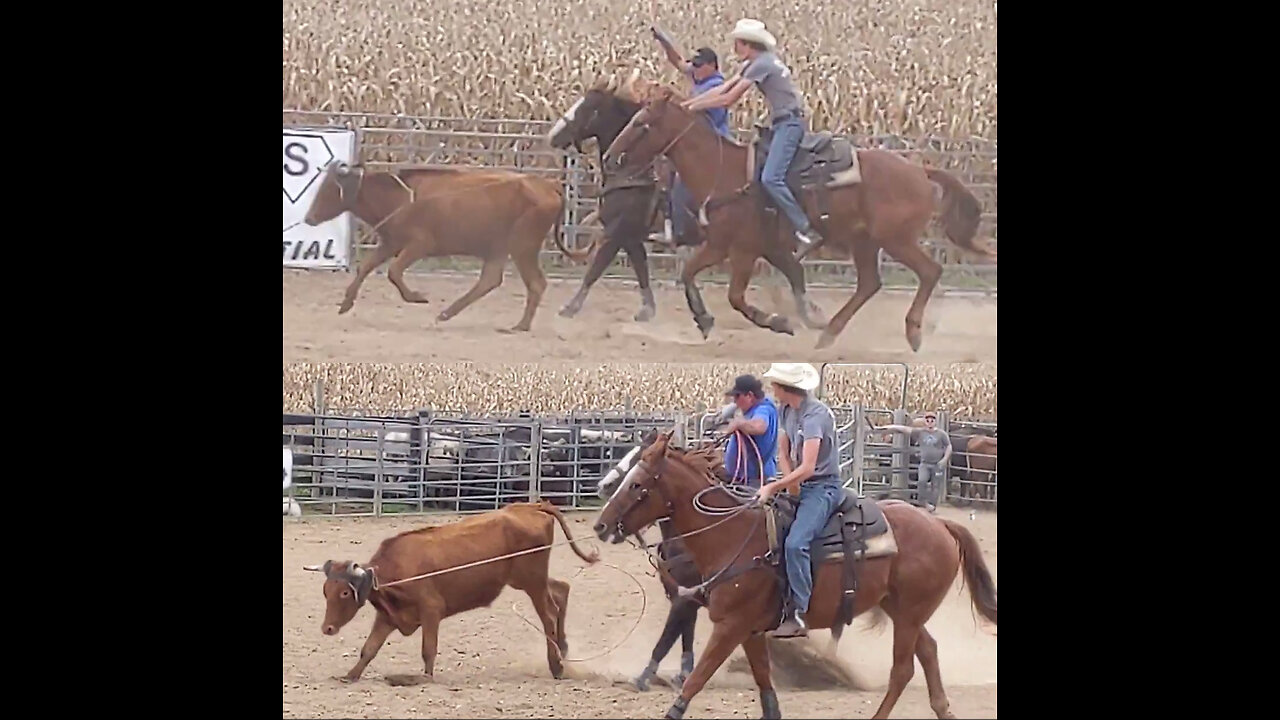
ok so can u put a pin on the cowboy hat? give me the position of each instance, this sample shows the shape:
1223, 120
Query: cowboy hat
796, 375
753, 31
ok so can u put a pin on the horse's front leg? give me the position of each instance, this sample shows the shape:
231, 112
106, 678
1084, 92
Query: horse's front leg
725, 636
709, 254
741, 263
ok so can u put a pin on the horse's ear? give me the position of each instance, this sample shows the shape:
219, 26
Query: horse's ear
612, 85
677, 435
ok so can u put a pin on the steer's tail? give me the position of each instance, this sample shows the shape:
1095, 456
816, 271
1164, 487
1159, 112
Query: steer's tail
982, 588
554, 511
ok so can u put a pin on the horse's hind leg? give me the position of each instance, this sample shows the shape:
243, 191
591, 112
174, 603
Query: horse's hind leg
927, 652
381, 254
741, 263
864, 259
758, 657
905, 634
790, 267
928, 270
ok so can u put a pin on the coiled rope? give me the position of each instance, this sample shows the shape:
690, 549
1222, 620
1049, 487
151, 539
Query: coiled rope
644, 606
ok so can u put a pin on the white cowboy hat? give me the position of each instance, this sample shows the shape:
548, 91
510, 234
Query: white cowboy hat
797, 375
753, 31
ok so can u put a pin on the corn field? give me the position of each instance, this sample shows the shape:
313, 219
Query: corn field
966, 390
904, 67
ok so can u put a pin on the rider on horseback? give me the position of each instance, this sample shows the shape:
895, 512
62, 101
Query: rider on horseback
703, 70
811, 464
754, 44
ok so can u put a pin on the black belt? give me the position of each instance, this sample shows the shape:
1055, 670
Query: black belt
783, 118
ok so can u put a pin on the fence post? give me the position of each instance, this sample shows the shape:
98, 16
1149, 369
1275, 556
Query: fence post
901, 470
944, 424
859, 446
377, 478
317, 397
535, 462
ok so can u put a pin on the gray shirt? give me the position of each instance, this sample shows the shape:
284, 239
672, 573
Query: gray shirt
812, 420
774, 80
933, 443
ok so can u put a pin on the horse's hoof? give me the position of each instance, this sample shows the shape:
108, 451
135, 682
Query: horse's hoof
344, 308
442, 317
569, 311
705, 327
781, 324
640, 685
825, 340
914, 338
645, 314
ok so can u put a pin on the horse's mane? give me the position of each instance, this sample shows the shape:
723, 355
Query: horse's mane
704, 460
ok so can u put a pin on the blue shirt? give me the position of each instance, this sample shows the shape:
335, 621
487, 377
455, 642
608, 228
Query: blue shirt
719, 117
766, 442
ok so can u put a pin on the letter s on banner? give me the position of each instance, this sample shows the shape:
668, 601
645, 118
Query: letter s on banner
306, 152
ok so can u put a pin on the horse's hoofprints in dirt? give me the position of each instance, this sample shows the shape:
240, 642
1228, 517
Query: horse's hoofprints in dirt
492, 664
383, 328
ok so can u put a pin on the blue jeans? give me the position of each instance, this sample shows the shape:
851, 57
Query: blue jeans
782, 149
928, 483
818, 499
682, 210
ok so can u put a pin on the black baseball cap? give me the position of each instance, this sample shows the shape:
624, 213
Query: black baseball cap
704, 56
744, 384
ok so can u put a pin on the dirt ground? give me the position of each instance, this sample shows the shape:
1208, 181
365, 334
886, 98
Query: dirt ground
491, 663
383, 328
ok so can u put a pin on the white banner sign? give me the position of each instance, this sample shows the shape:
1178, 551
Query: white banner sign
288, 468
306, 152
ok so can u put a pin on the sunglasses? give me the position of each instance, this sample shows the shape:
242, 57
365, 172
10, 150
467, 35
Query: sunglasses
930, 417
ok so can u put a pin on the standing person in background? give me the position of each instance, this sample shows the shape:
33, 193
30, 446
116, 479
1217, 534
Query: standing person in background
935, 452
703, 70
759, 422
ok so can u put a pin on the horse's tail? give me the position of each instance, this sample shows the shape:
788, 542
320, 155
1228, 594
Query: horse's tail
554, 512
982, 589
961, 212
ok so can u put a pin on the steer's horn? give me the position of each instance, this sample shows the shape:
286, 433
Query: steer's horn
356, 569
313, 568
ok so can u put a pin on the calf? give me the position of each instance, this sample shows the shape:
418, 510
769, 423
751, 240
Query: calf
425, 602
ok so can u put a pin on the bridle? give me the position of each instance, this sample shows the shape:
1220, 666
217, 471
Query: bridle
640, 494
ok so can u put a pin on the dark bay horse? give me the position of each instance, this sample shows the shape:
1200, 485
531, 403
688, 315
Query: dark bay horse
726, 538
889, 208
629, 201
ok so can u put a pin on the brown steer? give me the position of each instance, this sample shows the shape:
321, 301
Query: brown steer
424, 603
433, 212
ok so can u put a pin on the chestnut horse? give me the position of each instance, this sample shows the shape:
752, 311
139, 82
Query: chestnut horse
889, 208
727, 537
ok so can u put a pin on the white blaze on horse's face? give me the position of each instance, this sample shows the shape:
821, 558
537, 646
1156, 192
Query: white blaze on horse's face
620, 474
565, 119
